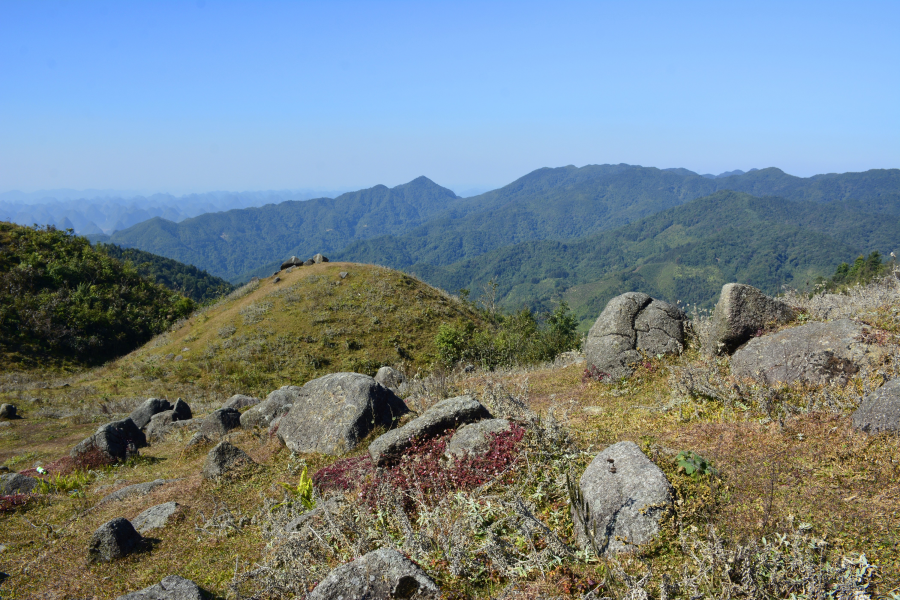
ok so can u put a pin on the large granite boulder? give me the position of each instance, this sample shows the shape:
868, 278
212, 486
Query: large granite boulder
115, 441
383, 573
273, 407
219, 422
742, 311
475, 439
626, 495
114, 539
332, 414
16, 483
880, 410
149, 407
444, 415
239, 401
172, 587
291, 262
319, 258
155, 517
223, 459
630, 324
816, 353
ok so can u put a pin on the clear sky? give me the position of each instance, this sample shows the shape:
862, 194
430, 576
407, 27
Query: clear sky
199, 96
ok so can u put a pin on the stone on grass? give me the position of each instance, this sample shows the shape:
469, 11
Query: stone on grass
7, 411
880, 410
444, 415
220, 422
475, 438
224, 458
239, 401
114, 539
383, 573
115, 441
181, 411
743, 310
291, 262
149, 407
16, 483
155, 517
162, 424
138, 489
626, 497
172, 587
816, 353
319, 258
275, 405
632, 324
332, 414
390, 377
308, 262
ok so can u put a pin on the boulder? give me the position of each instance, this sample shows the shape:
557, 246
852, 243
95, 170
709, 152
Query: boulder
291, 262
16, 483
181, 411
143, 413
319, 258
162, 424
626, 496
309, 262
743, 310
223, 459
383, 573
220, 422
475, 438
629, 325
7, 411
816, 353
275, 405
390, 377
138, 489
239, 401
172, 587
332, 414
155, 517
444, 415
114, 539
115, 440
880, 410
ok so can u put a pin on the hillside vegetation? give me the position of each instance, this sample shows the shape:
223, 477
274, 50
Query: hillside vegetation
63, 302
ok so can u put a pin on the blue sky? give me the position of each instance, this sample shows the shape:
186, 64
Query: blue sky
198, 96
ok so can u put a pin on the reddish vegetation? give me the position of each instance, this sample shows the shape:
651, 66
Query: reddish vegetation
592, 373
92, 459
8, 503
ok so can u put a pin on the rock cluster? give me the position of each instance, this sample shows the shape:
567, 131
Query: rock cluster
297, 262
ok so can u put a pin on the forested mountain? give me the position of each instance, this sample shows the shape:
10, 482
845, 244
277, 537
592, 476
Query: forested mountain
233, 242
684, 253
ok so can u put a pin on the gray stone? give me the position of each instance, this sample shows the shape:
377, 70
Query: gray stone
343, 274
143, 413
239, 401
880, 410
114, 539
629, 325
275, 405
172, 587
16, 483
626, 497
816, 353
291, 262
309, 262
475, 438
181, 411
223, 459
383, 573
444, 415
743, 310
115, 440
164, 423
390, 377
155, 517
332, 414
138, 489
220, 422
319, 258
7, 411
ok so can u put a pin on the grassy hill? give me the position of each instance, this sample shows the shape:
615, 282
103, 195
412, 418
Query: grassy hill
63, 302
309, 323
685, 253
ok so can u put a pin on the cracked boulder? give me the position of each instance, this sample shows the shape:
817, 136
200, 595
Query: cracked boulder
632, 324
625, 497
742, 311
383, 573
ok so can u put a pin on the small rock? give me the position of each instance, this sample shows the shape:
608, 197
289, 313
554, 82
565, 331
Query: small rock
178, 358
743, 310
475, 438
223, 459
185, 349
114, 539
389, 377
275, 405
138, 489
170, 356
172, 587
880, 410
309, 262
220, 422
115, 440
155, 517
7, 411
383, 573
143, 413
276, 280
16, 483
343, 274
319, 258
239, 401
444, 415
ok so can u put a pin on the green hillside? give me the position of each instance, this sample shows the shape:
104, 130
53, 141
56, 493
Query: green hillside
685, 253
63, 302
194, 283
230, 243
